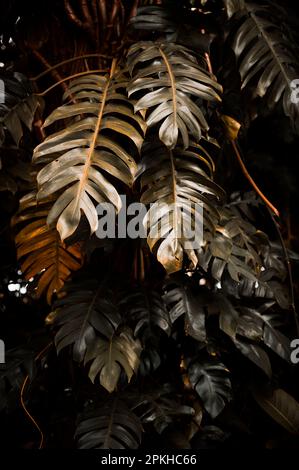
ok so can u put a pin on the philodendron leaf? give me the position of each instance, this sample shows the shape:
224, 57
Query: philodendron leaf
100, 137
233, 6
111, 425
170, 79
146, 313
211, 382
266, 58
41, 252
161, 408
18, 106
89, 320
182, 302
86, 310
274, 339
256, 354
257, 325
153, 18
110, 356
178, 184
281, 406
232, 250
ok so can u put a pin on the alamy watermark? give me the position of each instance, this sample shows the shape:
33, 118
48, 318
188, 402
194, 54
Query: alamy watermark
2, 352
295, 91
182, 220
2, 92
295, 352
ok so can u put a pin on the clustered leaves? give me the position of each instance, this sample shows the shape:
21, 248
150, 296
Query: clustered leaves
18, 106
266, 55
157, 347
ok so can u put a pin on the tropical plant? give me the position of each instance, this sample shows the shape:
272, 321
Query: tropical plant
181, 338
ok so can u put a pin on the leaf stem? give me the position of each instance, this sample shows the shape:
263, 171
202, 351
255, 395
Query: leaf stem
70, 77
289, 268
67, 61
39, 355
54, 73
173, 87
251, 180
93, 143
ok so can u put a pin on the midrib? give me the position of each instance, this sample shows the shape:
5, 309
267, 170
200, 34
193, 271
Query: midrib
173, 86
87, 164
268, 41
174, 190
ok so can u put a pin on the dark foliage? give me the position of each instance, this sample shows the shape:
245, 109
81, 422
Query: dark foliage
153, 342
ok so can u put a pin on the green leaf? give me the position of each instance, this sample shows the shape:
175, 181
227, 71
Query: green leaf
161, 408
257, 325
88, 319
233, 6
153, 18
111, 425
232, 249
42, 254
110, 356
178, 185
228, 315
267, 61
145, 311
18, 107
169, 86
100, 139
182, 302
211, 382
88, 308
256, 354
281, 406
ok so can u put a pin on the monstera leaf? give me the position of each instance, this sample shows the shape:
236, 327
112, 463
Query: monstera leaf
182, 302
211, 382
111, 425
17, 105
265, 55
280, 406
150, 360
40, 250
262, 287
175, 23
256, 354
155, 18
232, 6
169, 79
110, 355
179, 187
210, 438
86, 309
260, 325
100, 139
249, 328
146, 312
273, 338
161, 408
232, 249
89, 320
257, 325
260, 267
